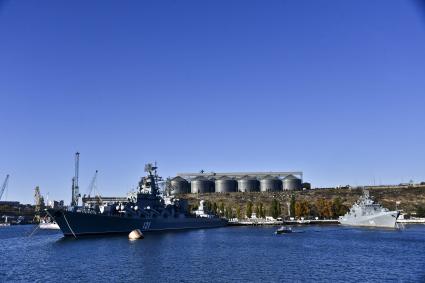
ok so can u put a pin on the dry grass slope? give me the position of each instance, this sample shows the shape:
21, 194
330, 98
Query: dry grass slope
410, 198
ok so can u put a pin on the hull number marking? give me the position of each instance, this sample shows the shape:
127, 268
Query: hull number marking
146, 225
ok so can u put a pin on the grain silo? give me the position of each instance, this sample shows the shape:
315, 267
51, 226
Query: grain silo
270, 184
201, 185
226, 185
179, 186
291, 183
248, 184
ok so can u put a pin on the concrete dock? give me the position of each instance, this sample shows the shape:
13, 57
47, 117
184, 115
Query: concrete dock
259, 221
412, 221
311, 221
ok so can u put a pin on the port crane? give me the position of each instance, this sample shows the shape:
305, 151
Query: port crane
75, 189
93, 189
4, 186
93, 186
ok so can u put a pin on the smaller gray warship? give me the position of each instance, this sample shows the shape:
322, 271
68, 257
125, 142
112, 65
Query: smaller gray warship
365, 212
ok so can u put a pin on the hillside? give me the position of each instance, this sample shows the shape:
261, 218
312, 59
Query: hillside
410, 198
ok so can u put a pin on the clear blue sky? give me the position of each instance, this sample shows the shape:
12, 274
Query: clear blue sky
333, 88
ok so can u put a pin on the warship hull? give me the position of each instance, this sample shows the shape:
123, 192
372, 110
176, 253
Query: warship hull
384, 220
79, 223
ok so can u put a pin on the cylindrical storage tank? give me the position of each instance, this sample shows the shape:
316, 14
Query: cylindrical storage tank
179, 186
270, 184
248, 184
226, 185
291, 183
201, 185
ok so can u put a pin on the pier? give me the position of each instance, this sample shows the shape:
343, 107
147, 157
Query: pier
254, 222
261, 221
412, 221
311, 221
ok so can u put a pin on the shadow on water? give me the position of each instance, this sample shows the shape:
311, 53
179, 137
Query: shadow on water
148, 236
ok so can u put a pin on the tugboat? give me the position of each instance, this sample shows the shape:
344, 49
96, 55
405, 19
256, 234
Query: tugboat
147, 211
365, 212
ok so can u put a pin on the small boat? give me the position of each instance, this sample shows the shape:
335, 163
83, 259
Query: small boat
48, 224
283, 230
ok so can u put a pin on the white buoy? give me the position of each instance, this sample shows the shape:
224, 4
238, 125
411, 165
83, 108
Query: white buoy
135, 235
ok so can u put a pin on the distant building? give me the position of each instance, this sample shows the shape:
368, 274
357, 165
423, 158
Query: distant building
9, 203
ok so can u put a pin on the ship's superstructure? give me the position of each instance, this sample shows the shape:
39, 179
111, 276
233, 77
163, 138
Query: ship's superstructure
365, 212
147, 210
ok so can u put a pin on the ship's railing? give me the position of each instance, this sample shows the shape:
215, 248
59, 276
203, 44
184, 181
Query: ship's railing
87, 211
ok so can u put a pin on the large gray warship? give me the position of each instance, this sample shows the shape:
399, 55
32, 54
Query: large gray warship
147, 210
365, 212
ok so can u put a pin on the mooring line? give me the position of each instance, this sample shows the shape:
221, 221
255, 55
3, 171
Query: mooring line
69, 226
38, 226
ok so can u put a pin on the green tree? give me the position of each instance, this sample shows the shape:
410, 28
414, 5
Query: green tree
338, 208
292, 206
221, 209
193, 207
229, 212
214, 208
420, 211
207, 205
238, 212
257, 210
262, 212
279, 209
249, 209
274, 209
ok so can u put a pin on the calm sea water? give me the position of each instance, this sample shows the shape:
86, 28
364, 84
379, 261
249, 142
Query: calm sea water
231, 254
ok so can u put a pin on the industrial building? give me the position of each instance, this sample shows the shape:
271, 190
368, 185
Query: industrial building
235, 182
